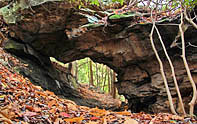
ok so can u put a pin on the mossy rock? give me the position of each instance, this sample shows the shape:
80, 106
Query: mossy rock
12, 45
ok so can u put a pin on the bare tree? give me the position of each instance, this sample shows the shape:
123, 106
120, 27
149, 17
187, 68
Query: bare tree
173, 72
161, 68
192, 102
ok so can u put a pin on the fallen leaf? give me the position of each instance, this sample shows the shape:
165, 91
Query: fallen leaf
92, 122
72, 106
72, 120
51, 103
64, 114
123, 113
49, 93
41, 93
30, 108
176, 117
5, 120
37, 109
104, 120
25, 65
57, 121
53, 110
97, 112
130, 121
94, 118
30, 114
2, 97
7, 111
142, 22
37, 87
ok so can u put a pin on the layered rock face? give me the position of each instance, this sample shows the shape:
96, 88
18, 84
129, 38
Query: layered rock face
124, 47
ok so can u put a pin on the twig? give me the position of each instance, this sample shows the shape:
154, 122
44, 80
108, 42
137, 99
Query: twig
189, 19
152, 121
45, 8
192, 45
169, 24
174, 43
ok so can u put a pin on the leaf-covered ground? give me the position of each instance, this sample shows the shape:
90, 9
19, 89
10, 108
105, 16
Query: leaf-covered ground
21, 102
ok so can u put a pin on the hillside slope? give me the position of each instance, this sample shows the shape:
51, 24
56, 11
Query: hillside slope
21, 102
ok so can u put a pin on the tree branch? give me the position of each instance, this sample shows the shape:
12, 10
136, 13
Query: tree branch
189, 19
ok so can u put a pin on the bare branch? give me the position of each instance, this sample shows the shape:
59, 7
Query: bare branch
189, 19
192, 45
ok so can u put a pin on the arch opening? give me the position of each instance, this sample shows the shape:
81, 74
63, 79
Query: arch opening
96, 77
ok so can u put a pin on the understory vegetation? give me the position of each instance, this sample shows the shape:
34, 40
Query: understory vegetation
97, 76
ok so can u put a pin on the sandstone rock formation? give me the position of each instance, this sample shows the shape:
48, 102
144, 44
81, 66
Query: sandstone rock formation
125, 47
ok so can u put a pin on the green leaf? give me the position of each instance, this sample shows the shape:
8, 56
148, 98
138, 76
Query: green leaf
121, 2
124, 15
91, 25
97, 2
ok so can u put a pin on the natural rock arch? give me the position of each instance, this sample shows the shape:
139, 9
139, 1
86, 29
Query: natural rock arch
124, 48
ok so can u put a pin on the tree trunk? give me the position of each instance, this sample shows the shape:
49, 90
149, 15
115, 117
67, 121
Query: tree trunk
104, 81
91, 74
109, 77
102, 74
97, 75
76, 71
70, 67
113, 88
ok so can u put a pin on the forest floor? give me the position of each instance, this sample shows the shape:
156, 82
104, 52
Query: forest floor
21, 102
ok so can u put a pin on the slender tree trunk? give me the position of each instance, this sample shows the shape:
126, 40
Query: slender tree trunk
105, 77
97, 75
113, 88
102, 73
91, 74
76, 71
88, 70
194, 97
173, 73
109, 80
70, 67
